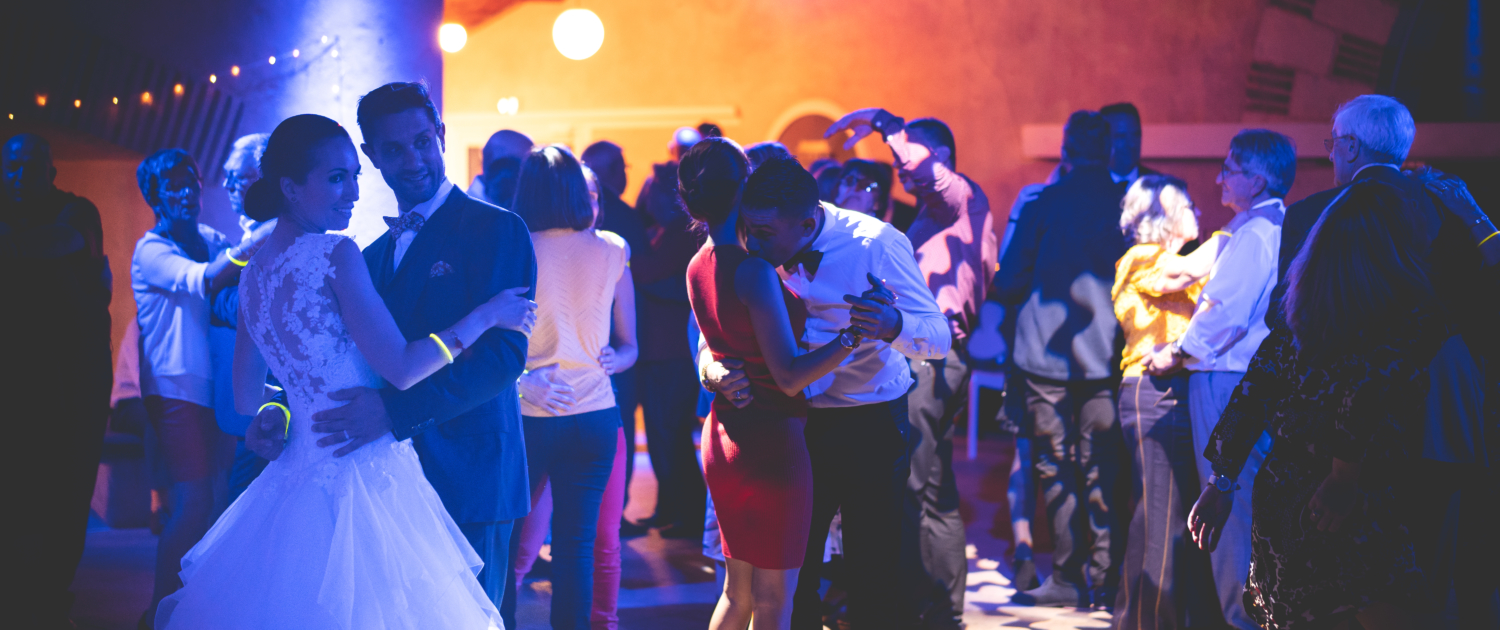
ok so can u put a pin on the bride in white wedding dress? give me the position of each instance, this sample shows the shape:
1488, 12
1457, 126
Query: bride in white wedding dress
360, 541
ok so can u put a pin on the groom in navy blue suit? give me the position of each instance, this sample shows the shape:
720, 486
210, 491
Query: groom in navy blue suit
444, 255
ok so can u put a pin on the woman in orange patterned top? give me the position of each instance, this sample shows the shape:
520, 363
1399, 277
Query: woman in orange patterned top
1155, 293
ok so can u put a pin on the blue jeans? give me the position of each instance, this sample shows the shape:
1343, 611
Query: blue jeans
1208, 395
577, 454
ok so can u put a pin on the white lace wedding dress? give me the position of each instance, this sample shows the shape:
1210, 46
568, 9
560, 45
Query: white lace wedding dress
360, 541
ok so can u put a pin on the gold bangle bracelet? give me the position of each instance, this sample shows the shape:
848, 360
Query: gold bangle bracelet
442, 346
1487, 238
237, 262
284, 411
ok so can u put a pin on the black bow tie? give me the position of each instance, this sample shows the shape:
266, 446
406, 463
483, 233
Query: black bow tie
808, 258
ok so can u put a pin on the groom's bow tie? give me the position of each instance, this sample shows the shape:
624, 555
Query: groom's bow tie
808, 258
409, 220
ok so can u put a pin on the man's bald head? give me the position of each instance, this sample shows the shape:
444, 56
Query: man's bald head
506, 143
607, 161
26, 161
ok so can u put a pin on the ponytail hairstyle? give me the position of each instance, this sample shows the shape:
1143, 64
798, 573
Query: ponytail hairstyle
288, 154
1360, 269
710, 177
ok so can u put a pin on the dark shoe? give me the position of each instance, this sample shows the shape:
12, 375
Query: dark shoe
1104, 599
679, 531
1025, 575
1054, 592
632, 530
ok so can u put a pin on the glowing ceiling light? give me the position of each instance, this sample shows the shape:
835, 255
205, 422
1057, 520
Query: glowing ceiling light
116, 100
508, 105
273, 60
12, 116
335, 88
335, 53
325, 39
213, 78
296, 53
177, 89
452, 37
578, 33
234, 71
145, 98
41, 100
77, 103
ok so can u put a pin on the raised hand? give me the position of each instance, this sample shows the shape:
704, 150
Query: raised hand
510, 309
860, 122
727, 377
539, 388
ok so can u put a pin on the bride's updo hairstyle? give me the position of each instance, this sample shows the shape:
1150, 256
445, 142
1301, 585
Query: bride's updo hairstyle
288, 154
710, 177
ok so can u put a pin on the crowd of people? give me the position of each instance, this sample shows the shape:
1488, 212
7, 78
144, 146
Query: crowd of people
1279, 424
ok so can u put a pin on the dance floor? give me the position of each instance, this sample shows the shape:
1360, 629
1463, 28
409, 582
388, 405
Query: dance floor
665, 584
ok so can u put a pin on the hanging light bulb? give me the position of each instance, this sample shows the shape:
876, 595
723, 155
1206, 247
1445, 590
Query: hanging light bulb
273, 60
177, 89
296, 53
578, 33
77, 103
234, 71
452, 37
145, 98
213, 78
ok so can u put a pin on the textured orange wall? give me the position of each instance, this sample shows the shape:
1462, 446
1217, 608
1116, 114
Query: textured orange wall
984, 66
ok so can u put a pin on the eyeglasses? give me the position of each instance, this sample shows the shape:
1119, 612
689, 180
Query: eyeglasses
853, 182
1224, 172
1330, 142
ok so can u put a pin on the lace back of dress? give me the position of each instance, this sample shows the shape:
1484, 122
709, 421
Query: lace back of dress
289, 307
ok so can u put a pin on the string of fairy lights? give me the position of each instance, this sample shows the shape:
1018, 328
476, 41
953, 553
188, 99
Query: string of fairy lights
247, 78
577, 34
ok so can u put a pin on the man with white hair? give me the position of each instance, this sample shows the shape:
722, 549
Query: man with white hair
1227, 327
1371, 137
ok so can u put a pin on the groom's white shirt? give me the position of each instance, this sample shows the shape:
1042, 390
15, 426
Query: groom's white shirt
854, 244
425, 209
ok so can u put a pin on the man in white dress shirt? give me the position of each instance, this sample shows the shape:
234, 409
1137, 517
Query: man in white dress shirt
858, 433
1229, 325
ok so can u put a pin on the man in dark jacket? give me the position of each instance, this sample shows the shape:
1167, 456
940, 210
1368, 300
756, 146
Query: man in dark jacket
1055, 281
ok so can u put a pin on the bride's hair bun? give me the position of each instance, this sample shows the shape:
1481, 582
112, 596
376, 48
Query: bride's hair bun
263, 200
288, 154
710, 176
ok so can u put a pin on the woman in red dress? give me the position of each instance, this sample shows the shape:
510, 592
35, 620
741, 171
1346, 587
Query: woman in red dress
754, 455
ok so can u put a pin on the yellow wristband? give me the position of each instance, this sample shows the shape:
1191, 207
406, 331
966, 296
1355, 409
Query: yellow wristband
237, 262
1487, 238
284, 411
1218, 232
442, 346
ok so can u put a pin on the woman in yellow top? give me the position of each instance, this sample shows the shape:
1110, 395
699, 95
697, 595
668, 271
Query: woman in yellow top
1155, 293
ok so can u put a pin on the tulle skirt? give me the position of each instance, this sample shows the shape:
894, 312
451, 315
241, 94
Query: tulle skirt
316, 542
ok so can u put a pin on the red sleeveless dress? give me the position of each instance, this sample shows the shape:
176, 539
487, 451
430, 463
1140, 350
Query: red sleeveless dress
755, 459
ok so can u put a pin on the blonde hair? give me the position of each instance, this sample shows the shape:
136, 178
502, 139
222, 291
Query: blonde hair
1157, 209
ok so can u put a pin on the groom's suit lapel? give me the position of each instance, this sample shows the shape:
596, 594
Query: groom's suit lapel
411, 276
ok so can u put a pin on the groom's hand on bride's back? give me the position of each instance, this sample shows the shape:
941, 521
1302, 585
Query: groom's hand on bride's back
266, 435
356, 424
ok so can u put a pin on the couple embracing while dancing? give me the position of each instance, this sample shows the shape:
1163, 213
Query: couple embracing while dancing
808, 313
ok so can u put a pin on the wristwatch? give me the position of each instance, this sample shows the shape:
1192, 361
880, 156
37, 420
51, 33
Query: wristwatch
1224, 484
1177, 351
848, 340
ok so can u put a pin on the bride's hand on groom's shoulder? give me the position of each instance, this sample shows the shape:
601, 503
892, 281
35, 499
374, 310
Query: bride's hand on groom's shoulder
510, 309
266, 435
